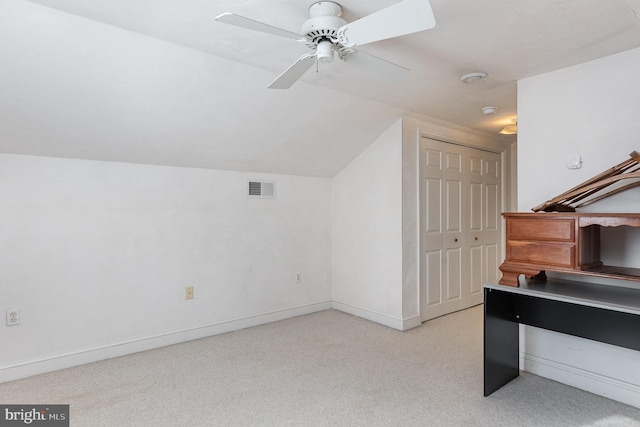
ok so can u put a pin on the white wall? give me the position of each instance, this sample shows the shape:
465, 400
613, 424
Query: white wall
376, 211
367, 232
97, 255
591, 110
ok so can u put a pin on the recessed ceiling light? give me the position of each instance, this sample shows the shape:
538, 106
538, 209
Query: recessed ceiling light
474, 77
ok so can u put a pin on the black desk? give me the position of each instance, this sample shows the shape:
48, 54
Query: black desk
609, 314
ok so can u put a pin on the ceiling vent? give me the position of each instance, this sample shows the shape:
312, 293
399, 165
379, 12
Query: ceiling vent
262, 189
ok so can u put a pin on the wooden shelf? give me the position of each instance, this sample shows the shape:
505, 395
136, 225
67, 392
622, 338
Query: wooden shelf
626, 273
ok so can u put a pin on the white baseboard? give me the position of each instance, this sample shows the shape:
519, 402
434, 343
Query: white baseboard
382, 318
62, 361
592, 382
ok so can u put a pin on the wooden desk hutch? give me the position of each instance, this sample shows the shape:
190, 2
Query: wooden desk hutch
554, 237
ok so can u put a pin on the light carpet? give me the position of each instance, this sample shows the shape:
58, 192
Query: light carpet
323, 369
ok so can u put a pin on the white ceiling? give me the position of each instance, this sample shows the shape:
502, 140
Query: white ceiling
160, 82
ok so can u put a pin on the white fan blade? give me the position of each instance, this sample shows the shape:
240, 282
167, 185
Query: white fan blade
377, 67
406, 17
294, 72
241, 21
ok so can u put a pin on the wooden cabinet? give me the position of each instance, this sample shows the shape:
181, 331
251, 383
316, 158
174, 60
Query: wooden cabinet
563, 242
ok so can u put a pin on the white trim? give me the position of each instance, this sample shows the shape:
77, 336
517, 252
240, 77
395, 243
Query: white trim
592, 382
62, 361
377, 317
411, 322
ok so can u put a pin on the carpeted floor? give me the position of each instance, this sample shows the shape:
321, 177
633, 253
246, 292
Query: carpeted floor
323, 369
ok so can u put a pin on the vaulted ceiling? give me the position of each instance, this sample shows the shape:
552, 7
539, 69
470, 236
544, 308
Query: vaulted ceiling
161, 82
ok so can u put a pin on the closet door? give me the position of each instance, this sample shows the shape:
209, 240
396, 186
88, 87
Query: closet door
460, 218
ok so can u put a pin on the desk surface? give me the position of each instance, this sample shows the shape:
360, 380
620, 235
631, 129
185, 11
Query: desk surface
614, 298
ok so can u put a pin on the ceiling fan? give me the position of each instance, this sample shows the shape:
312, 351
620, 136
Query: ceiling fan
327, 34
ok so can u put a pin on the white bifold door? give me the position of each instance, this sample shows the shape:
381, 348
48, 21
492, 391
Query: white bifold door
461, 199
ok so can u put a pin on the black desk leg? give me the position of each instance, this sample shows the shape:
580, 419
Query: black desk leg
501, 337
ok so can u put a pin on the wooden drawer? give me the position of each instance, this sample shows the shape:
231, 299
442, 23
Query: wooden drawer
541, 229
551, 255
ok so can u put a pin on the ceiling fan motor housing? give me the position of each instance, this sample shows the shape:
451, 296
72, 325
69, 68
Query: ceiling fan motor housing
324, 22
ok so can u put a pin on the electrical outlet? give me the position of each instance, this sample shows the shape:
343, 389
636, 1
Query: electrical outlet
298, 278
188, 292
13, 317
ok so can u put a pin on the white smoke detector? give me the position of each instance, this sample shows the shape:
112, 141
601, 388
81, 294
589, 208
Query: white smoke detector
474, 77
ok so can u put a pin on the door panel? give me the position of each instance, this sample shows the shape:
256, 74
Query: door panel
475, 208
433, 194
453, 204
476, 268
492, 204
492, 257
433, 275
454, 274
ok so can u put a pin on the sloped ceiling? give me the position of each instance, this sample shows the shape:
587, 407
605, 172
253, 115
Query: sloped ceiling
160, 82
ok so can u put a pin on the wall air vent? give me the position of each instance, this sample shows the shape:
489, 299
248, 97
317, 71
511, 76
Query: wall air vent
262, 189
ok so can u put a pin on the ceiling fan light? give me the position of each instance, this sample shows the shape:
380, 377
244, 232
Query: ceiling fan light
325, 51
509, 130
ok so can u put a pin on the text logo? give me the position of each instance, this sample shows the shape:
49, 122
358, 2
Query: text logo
34, 415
